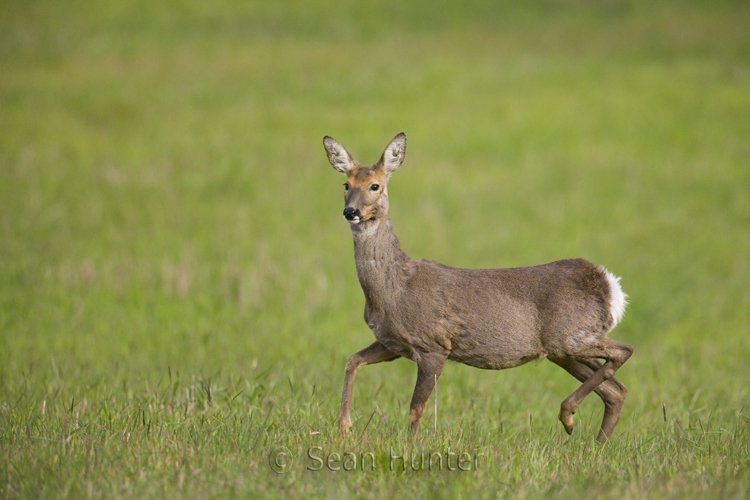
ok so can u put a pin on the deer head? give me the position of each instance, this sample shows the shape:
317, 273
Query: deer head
365, 189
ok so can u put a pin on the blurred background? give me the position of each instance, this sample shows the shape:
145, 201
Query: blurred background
166, 202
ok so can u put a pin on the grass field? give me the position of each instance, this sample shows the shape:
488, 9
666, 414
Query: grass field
178, 296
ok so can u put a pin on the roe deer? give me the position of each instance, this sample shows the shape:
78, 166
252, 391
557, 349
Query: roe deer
486, 318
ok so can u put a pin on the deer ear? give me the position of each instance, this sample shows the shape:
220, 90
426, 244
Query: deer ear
339, 157
393, 156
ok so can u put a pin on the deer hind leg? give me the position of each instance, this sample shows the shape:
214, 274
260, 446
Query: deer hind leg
429, 368
612, 392
376, 353
615, 354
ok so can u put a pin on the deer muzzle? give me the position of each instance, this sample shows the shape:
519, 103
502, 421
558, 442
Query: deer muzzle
352, 215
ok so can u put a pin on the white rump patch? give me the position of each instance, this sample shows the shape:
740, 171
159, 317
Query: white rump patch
617, 298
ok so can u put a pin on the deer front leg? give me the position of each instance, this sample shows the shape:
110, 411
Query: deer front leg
376, 353
429, 368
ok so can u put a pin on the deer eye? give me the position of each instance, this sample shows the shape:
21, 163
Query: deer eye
374, 187
346, 186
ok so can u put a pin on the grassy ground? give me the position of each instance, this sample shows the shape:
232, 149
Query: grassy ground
177, 289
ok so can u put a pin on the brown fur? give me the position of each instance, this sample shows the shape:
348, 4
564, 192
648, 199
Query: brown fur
486, 318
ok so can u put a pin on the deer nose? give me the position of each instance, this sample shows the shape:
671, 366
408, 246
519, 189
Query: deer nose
351, 213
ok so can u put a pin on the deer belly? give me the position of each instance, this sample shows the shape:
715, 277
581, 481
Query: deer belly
491, 356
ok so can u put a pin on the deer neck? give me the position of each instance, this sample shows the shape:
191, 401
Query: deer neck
382, 266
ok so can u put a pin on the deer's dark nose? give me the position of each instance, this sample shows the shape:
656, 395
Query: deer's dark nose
351, 213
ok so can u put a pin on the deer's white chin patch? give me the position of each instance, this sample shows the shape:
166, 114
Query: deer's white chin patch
353, 221
364, 228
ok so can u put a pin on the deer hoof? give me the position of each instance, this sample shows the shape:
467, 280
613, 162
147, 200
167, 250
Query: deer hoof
567, 421
344, 426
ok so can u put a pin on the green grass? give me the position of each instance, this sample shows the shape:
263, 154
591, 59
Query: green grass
177, 288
